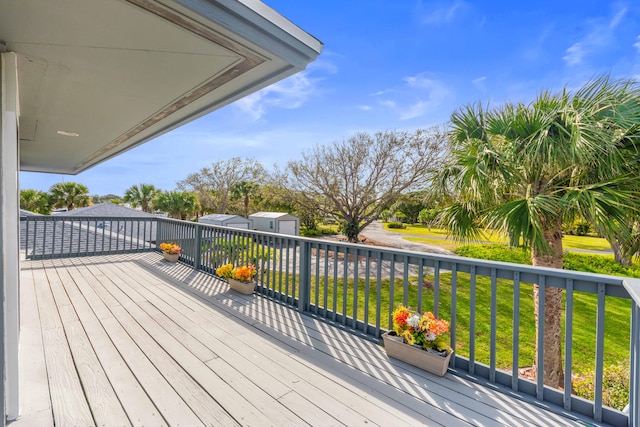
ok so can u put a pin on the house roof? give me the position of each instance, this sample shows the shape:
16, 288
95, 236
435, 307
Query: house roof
106, 210
97, 78
25, 213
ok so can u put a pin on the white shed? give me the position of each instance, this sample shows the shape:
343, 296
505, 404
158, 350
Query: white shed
235, 221
276, 222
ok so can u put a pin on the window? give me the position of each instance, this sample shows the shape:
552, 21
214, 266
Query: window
270, 225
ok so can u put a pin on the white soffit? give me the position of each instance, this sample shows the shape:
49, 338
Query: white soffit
99, 77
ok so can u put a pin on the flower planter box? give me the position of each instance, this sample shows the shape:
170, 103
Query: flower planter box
246, 288
415, 356
170, 257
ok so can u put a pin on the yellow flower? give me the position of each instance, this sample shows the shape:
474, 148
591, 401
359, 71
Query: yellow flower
408, 337
224, 271
170, 248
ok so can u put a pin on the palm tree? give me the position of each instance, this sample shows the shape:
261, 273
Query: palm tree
35, 201
141, 195
70, 195
178, 204
244, 190
522, 169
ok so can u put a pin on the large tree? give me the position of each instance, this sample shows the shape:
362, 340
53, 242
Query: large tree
523, 169
177, 204
35, 201
213, 184
141, 195
70, 195
356, 179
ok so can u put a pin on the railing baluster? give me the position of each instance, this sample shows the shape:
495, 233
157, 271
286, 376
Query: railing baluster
379, 292
515, 342
392, 285
454, 306
305, 276
326, 280
420, 286
345, 279
405, 281
568, 343
494, 326
597, 408
354, 314
335, 283
436, 289
540, 353
472, 320
317, 278
634, 367
367, 291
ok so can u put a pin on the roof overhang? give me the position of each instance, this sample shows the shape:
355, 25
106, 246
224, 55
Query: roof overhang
99, 77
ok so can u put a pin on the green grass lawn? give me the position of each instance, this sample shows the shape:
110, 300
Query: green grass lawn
439, 237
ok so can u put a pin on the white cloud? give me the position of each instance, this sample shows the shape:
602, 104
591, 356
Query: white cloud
419, 95
479, 83
637, 44
365, 107
617, 17
443, 15
599, 35
290, 93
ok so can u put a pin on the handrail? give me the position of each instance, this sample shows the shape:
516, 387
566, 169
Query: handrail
356, 287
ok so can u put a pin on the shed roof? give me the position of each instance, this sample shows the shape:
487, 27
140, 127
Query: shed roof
224, 217
270, 215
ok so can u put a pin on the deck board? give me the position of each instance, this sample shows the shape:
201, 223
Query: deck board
154, 343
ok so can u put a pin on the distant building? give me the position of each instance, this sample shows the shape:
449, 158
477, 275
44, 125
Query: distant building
276, 222
235, 221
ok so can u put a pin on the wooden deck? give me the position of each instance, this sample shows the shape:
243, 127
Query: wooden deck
132, 340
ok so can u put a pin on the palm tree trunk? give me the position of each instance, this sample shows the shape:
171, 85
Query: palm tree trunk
552, 356
619, 255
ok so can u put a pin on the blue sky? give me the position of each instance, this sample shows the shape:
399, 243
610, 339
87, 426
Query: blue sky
389, 65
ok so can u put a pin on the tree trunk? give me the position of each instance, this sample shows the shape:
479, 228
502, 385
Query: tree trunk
619, 254
351, 230
552, 357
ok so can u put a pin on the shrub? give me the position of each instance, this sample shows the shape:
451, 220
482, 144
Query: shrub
309, 232
396, 225
615, 386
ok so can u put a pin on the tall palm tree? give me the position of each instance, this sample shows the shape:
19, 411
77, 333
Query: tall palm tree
35, 201
141, 195
244, 190
523, 168
70, 195
178, 204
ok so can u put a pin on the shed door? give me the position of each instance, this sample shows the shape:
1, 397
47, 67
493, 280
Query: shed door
288, 227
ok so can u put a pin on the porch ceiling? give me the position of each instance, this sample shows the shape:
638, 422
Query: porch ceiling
98, 78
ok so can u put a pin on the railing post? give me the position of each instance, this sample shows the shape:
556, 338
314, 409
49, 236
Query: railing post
159, 231
304, 291
634, 381
197, 261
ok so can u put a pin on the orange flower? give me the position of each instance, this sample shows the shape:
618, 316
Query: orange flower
244, 273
